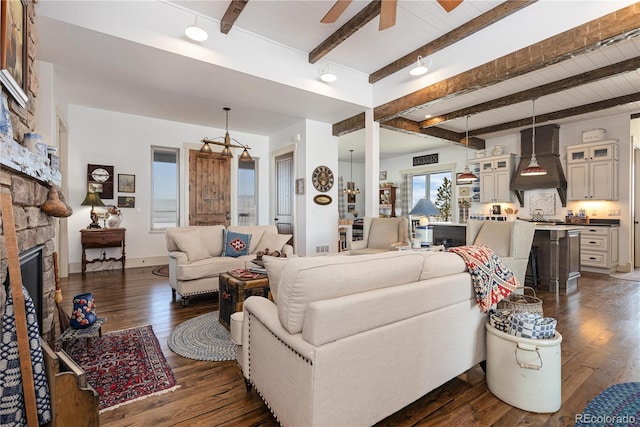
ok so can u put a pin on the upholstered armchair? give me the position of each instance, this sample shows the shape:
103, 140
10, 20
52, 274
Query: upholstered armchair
511, 240
380, 235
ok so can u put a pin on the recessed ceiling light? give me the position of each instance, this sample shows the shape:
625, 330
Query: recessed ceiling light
427, 116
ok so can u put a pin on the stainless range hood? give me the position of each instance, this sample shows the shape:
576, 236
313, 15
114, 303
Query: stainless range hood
548, 155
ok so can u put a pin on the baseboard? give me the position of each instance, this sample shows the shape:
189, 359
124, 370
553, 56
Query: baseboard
76, 267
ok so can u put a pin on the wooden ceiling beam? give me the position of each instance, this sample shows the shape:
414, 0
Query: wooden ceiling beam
349, 125
233, 12
354, 24
539, 91
560, 114
400, 124
617, 26
476, 24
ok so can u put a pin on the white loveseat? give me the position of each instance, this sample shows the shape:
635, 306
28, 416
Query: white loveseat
351, 340
196, 255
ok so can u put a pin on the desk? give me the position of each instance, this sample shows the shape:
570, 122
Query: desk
102, 238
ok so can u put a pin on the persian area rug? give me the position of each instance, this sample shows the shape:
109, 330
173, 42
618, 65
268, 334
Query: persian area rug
124, 366
633, 276
618, 405
162, 270
203, 338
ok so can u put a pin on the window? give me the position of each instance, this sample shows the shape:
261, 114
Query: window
247, 193
165, 184
435, 186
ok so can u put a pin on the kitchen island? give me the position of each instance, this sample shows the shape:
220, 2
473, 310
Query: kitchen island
558, 254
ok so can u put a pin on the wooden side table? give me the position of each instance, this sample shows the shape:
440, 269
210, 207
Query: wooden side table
102, 238
234, 289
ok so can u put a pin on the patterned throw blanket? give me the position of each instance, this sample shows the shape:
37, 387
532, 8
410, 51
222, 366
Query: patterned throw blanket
492, 279
12, 412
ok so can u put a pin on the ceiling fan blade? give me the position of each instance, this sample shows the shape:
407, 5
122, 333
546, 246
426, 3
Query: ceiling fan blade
449, 5
335, 11
388, 14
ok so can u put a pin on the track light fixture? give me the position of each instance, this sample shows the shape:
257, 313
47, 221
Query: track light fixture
420, 68
196, 33
226, 143
327, 76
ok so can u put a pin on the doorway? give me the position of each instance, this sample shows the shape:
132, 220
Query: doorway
209, 189
62, 231
284, 170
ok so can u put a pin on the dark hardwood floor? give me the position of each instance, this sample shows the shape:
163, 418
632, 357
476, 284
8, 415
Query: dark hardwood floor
600, 326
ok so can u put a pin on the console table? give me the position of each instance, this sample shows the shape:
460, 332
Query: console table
102, 238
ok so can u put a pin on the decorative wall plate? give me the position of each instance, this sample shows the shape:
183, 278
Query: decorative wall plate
322, 199
101, 178
322, 178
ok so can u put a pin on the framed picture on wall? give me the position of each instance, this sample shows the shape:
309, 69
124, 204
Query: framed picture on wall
101, 174
300, 186
126, 183
126, 202
13, 49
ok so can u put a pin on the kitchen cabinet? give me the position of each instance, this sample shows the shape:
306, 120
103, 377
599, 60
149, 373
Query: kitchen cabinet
592, 171
388, 201
495, 178
599, 248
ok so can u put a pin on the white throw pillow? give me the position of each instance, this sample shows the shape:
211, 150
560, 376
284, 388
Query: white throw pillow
272, 241
274, 266
191, 244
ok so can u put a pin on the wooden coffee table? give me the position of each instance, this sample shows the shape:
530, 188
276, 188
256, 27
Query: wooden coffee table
235, 287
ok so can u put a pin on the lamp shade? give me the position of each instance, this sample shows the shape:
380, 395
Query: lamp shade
425, 207
92, 199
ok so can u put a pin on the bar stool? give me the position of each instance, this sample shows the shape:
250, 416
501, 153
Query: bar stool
533, 274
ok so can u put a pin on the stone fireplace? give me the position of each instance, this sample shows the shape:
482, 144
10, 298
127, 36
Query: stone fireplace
35, 231
28, 178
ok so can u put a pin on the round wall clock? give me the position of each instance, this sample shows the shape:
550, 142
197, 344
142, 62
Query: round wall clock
100, 175
322, 178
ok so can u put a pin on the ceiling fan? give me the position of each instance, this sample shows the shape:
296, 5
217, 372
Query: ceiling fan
387, 11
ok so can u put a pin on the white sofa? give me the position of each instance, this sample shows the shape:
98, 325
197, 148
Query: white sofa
351, 340
196, 255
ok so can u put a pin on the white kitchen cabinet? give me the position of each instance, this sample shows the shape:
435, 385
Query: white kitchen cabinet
592, 171
599, 248
495, 178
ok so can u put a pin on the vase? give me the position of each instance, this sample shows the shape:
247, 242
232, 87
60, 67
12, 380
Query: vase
84, 311
114, 220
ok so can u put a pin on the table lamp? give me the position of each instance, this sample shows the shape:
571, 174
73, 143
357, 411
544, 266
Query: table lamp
424, 208
93, 199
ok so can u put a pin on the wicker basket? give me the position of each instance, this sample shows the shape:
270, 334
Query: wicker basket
521, 302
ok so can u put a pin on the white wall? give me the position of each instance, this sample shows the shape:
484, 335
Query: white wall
321, 227
124, 141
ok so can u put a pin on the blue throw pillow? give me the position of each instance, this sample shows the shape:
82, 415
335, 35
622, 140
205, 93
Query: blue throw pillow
235, 244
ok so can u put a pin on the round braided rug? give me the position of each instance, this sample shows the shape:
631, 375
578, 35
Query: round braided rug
203, 338
618, 405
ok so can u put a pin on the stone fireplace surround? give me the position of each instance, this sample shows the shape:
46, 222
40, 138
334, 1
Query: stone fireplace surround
33, 228
27, 176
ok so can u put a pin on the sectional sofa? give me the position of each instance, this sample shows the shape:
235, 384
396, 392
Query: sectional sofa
350, 340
